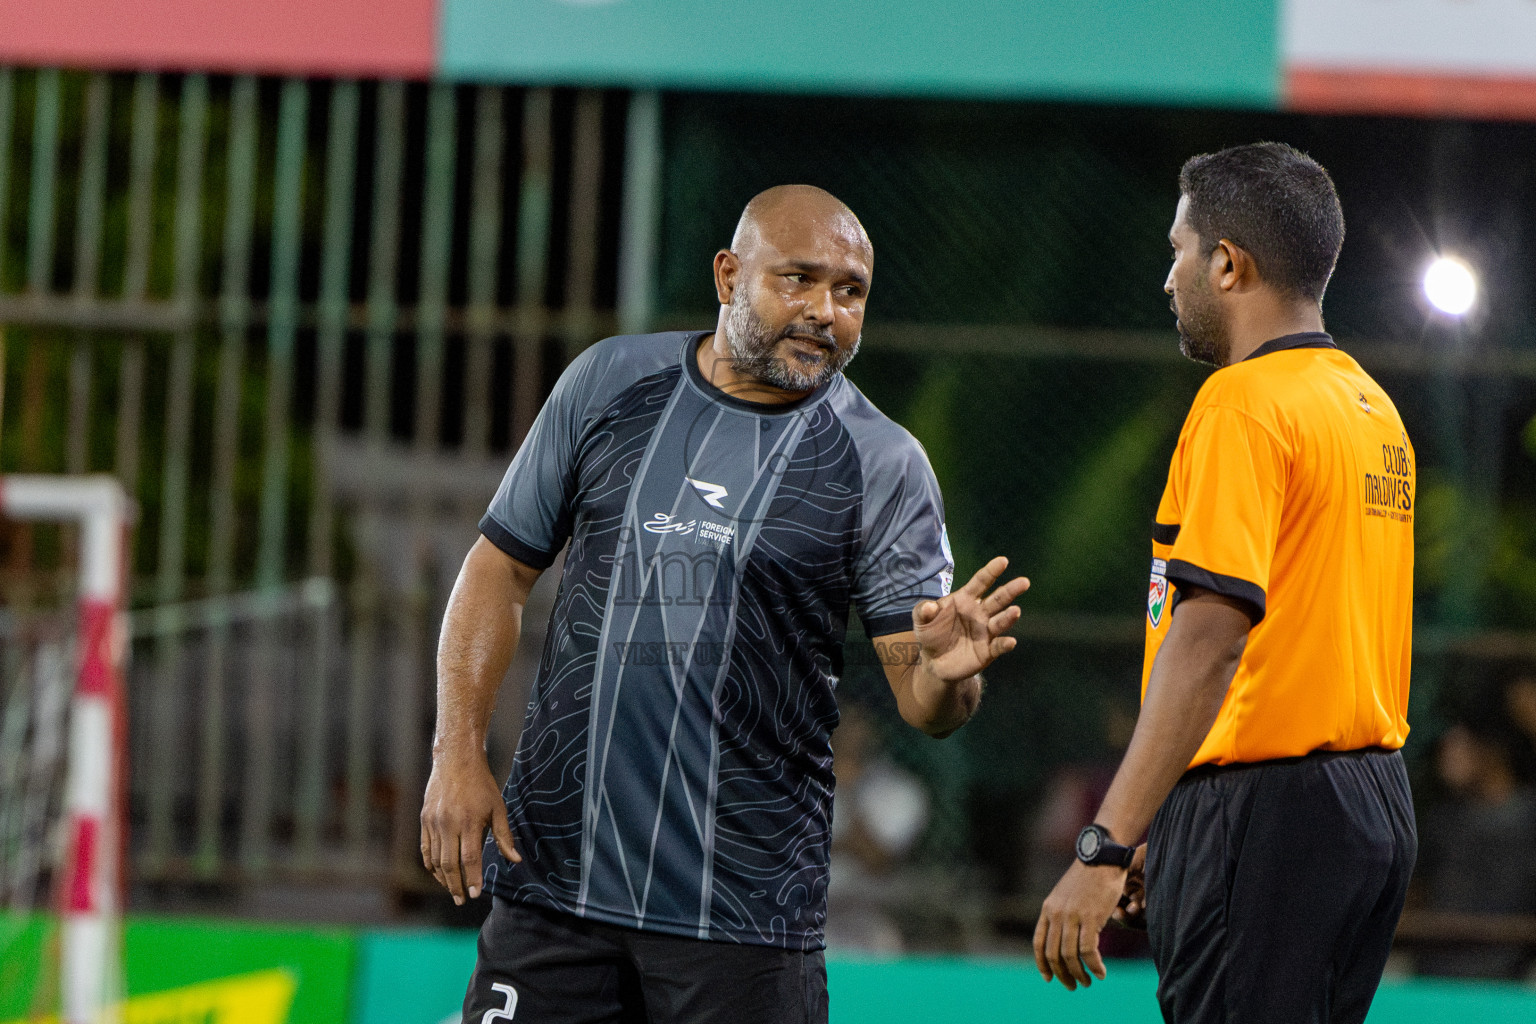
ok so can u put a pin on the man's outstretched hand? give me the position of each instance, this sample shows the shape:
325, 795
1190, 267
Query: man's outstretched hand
934, 671
963, 632
462, 801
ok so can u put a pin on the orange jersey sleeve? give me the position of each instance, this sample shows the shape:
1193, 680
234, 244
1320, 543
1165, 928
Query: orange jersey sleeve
1226, 489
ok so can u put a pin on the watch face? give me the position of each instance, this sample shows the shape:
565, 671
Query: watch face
1088, 843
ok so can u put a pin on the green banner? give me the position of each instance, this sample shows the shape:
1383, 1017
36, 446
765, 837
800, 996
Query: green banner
194, 972
24, 942
1218, 52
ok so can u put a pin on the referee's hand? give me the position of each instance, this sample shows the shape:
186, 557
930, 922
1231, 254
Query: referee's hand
1067, 934
1132, 911
462, 801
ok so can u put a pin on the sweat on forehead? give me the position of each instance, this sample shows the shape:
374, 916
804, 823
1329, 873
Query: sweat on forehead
797, 206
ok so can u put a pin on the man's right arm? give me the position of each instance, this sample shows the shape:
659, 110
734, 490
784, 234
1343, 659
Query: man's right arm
480, 632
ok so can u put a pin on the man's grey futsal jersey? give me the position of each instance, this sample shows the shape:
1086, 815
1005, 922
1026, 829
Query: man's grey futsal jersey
675, 769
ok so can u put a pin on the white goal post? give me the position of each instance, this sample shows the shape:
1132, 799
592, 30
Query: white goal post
90, 891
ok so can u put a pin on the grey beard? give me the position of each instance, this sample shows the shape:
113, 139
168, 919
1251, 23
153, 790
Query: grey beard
752, 350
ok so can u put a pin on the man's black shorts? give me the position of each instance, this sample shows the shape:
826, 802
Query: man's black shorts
1273, 889
560, 969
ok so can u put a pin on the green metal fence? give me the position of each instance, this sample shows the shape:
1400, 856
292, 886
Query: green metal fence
305, 323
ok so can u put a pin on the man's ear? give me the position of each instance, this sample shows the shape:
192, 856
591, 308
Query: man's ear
1232, 267
727, 267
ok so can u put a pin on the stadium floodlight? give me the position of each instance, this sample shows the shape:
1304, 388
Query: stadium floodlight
1450, 285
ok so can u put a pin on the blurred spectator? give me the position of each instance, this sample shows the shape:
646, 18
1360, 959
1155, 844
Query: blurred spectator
878, 814
1476, 847
1520, 706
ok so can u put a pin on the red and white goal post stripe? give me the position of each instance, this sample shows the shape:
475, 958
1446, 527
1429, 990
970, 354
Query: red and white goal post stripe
91, 892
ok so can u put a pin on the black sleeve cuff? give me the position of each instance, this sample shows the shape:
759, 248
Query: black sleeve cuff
885, 625
1180, 572
503, 539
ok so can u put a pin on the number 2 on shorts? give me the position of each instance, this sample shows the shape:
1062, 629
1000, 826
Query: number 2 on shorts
508, 1011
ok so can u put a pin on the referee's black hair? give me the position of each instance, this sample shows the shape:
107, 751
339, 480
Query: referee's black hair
1276, 203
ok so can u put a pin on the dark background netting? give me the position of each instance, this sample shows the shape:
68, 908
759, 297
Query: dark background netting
1055, 216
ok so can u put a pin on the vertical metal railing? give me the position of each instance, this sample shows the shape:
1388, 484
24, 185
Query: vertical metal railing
262, 700
330, 341
7, 122
532, 230
234, 316
166, 752
45, 165
306, 341
484, 260
90, 209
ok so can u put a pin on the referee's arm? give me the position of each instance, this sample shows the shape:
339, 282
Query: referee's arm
1189, 679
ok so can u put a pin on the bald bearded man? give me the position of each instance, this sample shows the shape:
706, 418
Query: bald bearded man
659, 852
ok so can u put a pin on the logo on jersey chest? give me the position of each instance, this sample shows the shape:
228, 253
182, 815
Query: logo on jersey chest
711, 493
1157, 592
716, 533
663, 523
701, 529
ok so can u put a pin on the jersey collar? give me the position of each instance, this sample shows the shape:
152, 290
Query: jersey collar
714, 394
1306, 339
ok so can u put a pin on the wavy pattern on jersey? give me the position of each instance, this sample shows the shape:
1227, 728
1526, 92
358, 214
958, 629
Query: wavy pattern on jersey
544, 792
776, 705
693, 798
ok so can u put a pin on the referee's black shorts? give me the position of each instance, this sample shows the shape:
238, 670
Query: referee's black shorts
1273, 889
539, 965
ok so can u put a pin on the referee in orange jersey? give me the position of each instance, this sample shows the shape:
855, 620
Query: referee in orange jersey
1279, 622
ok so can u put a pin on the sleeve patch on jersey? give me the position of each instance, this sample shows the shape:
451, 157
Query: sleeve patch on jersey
1157, 592
946, 575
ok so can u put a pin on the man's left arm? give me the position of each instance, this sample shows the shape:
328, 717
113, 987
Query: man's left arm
1189, 680
934, 669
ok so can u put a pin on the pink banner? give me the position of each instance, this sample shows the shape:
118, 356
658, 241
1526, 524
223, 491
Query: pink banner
1331, 91
292, 37
1433, 58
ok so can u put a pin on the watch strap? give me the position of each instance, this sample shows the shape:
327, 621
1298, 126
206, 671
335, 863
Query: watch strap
1095, 847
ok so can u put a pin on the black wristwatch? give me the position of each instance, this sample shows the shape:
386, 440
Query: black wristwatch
1095, 847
